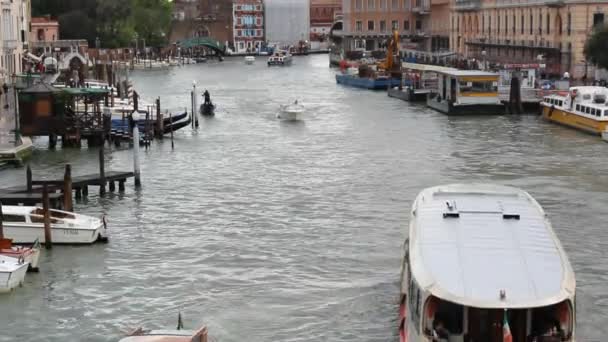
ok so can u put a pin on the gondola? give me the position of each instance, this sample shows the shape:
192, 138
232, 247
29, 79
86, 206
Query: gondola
207, 109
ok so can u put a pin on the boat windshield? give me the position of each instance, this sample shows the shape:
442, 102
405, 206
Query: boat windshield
451, 321
476, 87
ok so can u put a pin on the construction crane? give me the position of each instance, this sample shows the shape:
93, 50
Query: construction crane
393, 48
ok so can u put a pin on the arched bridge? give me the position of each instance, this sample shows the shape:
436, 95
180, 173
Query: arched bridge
203, 41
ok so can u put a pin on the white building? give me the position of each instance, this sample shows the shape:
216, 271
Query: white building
287, 21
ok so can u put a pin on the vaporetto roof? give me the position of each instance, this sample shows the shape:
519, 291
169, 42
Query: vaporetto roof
470, 242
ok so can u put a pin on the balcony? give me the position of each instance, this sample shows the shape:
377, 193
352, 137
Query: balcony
421, 7
10, 44
467, 5
493, 42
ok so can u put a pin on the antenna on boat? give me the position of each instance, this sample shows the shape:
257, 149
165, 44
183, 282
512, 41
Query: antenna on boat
180, 324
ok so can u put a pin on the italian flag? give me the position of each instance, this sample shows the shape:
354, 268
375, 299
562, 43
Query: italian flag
506, 331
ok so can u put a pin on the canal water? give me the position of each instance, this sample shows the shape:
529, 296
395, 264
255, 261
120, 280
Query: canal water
274, 231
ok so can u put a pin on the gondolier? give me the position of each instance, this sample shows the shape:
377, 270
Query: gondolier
207, 97
207, 108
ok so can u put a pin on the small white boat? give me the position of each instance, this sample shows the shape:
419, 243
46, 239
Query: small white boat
281, 58
25, 224
12, 273
178, 335
249, 60
31, 255
291, 112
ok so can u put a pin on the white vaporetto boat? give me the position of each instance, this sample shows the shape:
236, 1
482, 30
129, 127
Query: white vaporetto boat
26, 225
249, 60
12, 273
482, 262
291, 112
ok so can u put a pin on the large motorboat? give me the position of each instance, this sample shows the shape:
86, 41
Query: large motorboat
280, 57
584, 108
463, 92
482, 263
291, 112
31, 255
25, 224
12, 273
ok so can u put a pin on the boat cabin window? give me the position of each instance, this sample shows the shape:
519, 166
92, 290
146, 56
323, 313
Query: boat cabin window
443, 320
606, 112
54, 214
587, 97
447, 321
13, 218
588, 110
40, 219
472, 87
578, 108
599, 98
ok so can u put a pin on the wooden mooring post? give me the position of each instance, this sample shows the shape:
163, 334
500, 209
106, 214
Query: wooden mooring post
102, 173
28, 177
1, 220
171, 119
48, 239
68, 204
136, 172
159, 120
515, 105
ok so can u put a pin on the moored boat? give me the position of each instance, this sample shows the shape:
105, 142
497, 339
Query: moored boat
280, 57
372, 83
482, 263
31, 255
584, 108
463, 92
291, 112
178, 335
24, 224
12, 273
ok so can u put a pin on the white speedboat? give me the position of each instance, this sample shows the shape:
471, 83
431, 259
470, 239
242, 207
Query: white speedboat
249, 60
30, 255
12, 273
26, 225
291, 112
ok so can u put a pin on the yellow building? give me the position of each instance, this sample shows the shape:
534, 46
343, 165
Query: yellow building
551, 32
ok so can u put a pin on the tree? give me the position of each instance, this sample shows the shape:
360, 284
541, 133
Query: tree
595, 48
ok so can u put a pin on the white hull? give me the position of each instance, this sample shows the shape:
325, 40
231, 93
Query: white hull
12, 275
605, 136
289, 116
30, 232
32, 255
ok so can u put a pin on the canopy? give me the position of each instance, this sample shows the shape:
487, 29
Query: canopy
202, 41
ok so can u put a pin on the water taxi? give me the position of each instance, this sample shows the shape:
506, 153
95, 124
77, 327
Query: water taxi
482, 263
466, 92
281, 58
291, 112
24, 224
584, 108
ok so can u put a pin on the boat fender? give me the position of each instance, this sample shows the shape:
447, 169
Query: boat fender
21, 260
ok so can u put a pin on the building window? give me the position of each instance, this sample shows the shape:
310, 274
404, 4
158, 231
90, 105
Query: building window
418, 25
483, 24
395, 4
498, 26
489, 25
359, 26
406, 4
259, 33
370, 25
506, 24
239, 33
382, 4
569, 27
522, 24
358, 5
371, 4
406, 25
382, 26
258, 21
531, 24
540, 23
548, 23
598, 19
395, 25
359, 44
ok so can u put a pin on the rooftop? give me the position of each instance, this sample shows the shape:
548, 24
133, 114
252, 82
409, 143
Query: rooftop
470, 242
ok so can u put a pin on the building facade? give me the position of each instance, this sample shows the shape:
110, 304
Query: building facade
322, 16
202, 18
248, 25
287, 21
15, 36
550, 32
44, 29
368, 24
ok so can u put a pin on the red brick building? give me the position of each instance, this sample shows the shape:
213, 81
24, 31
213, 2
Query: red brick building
322, 15
202, 18
248, 25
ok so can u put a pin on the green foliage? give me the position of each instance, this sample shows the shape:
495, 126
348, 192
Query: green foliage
595, 48
115, 22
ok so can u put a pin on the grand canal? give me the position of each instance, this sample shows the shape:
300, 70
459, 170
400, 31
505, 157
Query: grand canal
273, 231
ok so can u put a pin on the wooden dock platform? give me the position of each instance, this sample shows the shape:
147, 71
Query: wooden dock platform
30, 199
